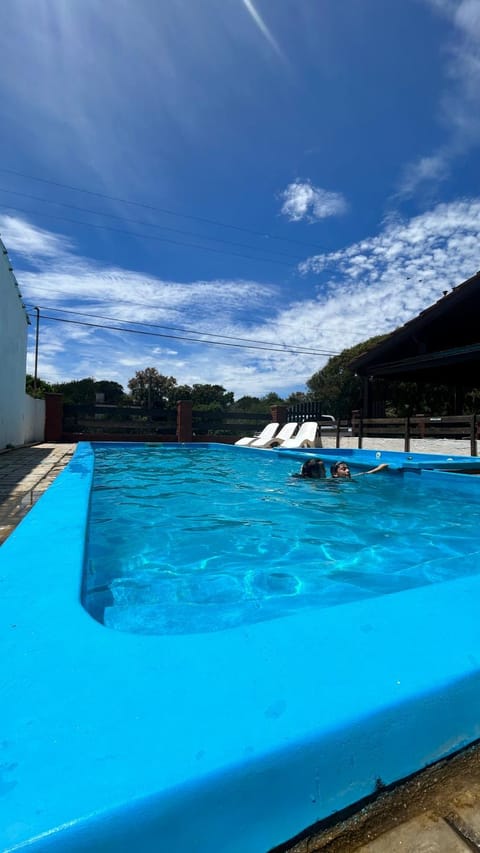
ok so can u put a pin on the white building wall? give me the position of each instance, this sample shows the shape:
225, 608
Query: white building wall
21, 419
33, 420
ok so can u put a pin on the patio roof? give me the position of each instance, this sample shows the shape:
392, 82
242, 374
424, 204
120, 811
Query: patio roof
441, 344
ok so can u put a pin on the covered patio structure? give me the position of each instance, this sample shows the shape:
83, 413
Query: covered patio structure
441, 345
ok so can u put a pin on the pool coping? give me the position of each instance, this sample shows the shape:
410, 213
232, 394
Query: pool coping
111, 739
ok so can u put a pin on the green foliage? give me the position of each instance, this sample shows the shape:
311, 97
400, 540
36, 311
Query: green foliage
41, 389
149, 388
411, 398
296, 398
77, 391
211, 395
112, 391
271, 399
336, 386
248, 404
182, 392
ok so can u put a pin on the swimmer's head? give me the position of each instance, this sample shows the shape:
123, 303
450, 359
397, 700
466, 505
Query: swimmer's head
339, 469
313, 468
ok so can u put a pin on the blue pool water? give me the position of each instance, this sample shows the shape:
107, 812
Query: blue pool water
235, 739
198, 540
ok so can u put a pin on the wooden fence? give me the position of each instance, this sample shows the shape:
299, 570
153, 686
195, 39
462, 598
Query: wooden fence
103, 422
419, 426
130, 423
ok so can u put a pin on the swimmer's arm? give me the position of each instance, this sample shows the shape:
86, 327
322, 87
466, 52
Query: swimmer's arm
378, 468
373, 470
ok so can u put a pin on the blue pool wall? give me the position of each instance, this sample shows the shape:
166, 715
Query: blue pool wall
234, 741
364, 459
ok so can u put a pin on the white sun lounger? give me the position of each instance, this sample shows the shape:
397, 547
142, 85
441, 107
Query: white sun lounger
305, 437
266, 434
287, 431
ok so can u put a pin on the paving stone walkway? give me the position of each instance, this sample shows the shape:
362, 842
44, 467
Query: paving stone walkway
25, 474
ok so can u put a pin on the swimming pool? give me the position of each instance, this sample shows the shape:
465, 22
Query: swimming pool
204, 539
233, 739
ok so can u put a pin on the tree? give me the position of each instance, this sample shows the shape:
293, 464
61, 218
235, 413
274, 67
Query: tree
336, 386
151, 389
113, 392
249, 404
211, 395
296, 397
77, 391
41, 389
182, 392
271, 399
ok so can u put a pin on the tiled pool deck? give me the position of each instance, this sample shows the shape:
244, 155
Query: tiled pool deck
448, 821
25, 474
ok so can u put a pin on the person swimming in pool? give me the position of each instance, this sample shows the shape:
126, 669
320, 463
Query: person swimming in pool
312, 469
341, 470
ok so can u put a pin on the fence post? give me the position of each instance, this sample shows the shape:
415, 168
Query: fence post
337, 434
184, 421
473, 436
357, 426
407, 434
421, 425
279, 414
53, 417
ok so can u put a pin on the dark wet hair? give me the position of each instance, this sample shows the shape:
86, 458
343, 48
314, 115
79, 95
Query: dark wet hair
336, 465
313, 468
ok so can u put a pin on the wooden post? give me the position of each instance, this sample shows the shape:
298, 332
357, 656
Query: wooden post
337, 435
184, 421
407, 434
473, 436
53, 417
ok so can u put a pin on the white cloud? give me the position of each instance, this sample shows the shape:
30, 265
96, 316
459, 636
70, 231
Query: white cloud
364, 289
459, 107
31, 242
425, 170
301, 200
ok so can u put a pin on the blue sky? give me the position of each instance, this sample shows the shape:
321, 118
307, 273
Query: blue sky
288, 177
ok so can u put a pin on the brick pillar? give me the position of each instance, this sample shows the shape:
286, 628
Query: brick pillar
53, 417
184, 420
279, 414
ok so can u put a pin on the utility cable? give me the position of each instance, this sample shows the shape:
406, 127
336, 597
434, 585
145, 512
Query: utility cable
152, 225
215, 222
136, 303
149, 236
277, 349
305, 349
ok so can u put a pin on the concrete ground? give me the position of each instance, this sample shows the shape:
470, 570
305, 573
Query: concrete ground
444, 446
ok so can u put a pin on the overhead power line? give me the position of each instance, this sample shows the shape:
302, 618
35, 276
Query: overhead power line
272, 348
137, 304
148, 236
168, 211
152, 225
305, 349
